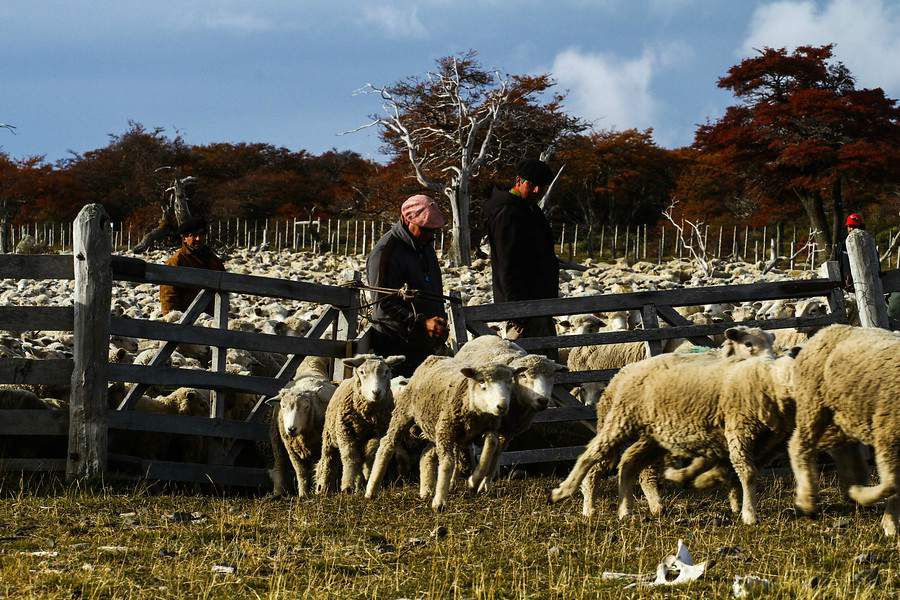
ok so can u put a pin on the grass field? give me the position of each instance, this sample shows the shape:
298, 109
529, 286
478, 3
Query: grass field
118, 542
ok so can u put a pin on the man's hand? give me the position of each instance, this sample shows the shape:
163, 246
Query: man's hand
436, 327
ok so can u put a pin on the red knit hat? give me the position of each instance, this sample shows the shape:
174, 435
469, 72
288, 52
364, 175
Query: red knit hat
854, 220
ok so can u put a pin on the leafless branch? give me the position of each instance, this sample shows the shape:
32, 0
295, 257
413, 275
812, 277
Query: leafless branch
695, 244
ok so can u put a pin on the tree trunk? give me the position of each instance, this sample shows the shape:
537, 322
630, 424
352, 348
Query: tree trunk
815, 210
461, 246
837, 215
4, 234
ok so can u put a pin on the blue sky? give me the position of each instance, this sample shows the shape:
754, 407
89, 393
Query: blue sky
284, 72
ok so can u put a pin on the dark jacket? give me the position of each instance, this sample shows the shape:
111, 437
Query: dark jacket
399, 259
180, 297
524, 263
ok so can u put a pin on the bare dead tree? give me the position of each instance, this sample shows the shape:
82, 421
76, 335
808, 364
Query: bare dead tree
175, 211
8, 209
811, 246
11, 128
695, 243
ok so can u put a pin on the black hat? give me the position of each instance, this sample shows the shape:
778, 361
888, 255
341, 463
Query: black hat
535, 172
192, 225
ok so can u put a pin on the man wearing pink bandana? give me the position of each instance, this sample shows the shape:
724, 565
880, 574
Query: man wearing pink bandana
405, 256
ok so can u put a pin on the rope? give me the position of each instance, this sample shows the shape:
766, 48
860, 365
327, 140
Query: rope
405, 293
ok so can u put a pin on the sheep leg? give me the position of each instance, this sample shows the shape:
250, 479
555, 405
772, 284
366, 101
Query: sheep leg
485, 462
428, 464
741, 461
278, 473
369, 457
887, 463
446, 464
682, 476
503, 442
638, 456
324, 473
590, 489
300, 472
850, 465
605, 444
649, 482
891, 519
810, 425
351, 466
385, 452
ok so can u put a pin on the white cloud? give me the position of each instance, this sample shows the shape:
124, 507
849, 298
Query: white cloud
242, 22
607, 90
395, 21
866, 34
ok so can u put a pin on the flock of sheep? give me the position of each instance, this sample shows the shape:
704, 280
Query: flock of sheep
694, 416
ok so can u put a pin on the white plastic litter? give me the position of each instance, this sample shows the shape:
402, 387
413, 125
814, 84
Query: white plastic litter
749, 586
675, 569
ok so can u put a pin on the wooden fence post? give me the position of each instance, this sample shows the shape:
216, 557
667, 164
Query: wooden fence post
865, 266
93, 294
346, 328
457, 322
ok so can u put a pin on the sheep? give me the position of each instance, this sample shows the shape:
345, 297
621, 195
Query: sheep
298, 416
452, 403
667, 404
531, 394
788, 338
357, 416
849, 377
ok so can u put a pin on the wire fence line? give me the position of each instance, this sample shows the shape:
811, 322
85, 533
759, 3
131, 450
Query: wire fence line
574, 241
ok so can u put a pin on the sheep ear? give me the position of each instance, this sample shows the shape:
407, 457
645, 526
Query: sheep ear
393, 361
355, 361
793, 352
564, 323
519, 370
471, 373
757, 304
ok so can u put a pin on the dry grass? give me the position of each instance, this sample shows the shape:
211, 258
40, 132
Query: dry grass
507, 544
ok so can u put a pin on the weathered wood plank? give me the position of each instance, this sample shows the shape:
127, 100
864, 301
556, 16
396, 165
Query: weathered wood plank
635, 300
566, 413
219, 354
169, 376
162, 356
664, 333
34, 422
36, 318
458, 321
672, 317
650, 320
186, 425
196, 473
479, 328
867, 282
576, 377
36, 266
91, 249
209, 336
12, 465
524, 457
890, 280
136, 270
23, 371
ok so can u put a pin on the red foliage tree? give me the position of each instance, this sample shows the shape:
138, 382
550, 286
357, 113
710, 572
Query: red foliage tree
804, 133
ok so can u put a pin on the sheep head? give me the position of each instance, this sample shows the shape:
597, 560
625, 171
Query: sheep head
373, 375
490, 387
744, 342
535, 382
300, 405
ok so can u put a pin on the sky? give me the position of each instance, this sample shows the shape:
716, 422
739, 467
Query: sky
285, 71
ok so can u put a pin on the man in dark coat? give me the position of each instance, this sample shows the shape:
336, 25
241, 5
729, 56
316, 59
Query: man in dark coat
193, 253
523, 260
405, 255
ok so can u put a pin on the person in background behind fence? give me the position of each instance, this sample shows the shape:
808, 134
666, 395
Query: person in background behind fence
193, 253
853, 221
523, 260
405, 255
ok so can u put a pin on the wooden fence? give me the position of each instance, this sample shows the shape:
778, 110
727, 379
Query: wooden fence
655, 307
603, 241
89, 418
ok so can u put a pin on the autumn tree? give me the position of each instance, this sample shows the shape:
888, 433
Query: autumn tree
615, 176
803, 132
460, 119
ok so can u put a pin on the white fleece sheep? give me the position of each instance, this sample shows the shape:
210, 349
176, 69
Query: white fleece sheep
297, 420
677, 403
531, 394
357, 416
452, 404
849, 377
